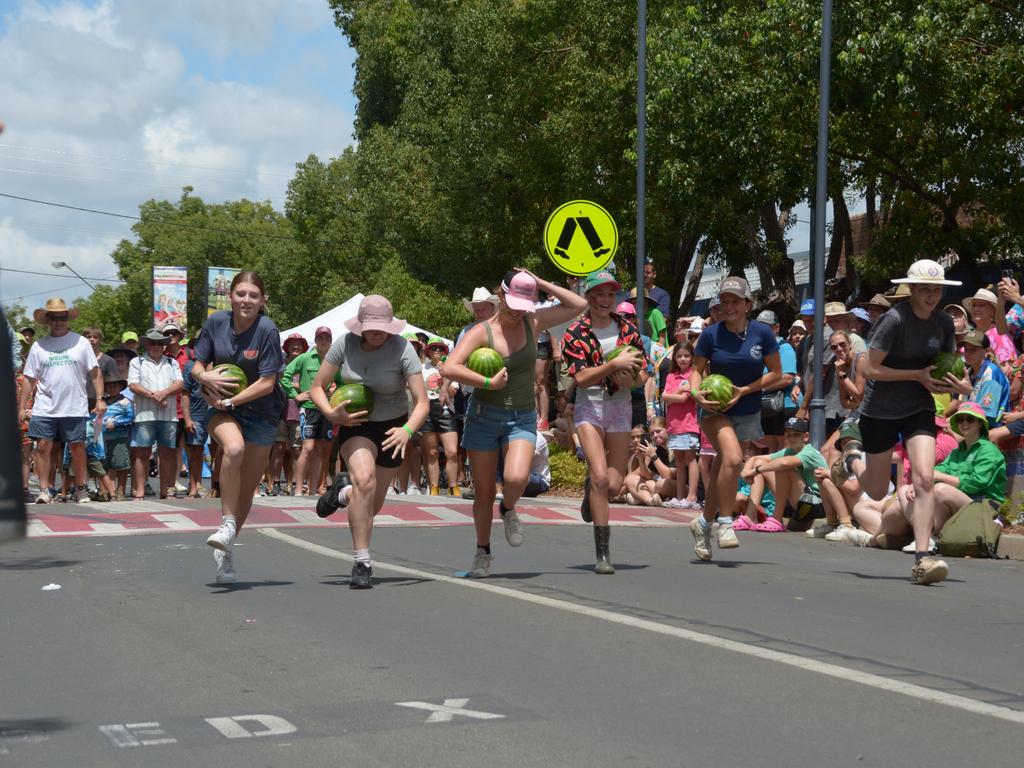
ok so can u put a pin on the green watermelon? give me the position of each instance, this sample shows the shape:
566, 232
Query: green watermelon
948, 362
618, 351
233, 371
361, 398
485, 361
718, 388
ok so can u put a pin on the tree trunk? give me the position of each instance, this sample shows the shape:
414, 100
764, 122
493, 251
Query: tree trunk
778, 292
682, 258
695, 277
842, 237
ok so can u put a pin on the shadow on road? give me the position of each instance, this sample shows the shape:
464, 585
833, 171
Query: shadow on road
240, 585
35, 564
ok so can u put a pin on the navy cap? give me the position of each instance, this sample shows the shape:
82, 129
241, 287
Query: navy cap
807, 308
795, 424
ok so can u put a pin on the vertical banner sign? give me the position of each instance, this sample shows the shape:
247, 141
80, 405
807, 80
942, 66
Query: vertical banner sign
218, 286
170, 296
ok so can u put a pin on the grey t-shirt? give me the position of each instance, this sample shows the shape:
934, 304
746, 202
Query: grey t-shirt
383, 371
911, 344
108, 367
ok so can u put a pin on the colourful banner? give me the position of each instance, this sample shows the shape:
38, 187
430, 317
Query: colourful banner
218, 286
170, 296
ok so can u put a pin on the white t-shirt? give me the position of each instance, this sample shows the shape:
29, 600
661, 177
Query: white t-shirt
154, 376
540, 464
608, 338
59, 365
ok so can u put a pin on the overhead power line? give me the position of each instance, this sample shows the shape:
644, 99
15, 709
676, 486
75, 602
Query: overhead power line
58, 274
151, 220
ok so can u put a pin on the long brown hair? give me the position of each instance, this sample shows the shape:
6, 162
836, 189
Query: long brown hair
249, 276
673, 367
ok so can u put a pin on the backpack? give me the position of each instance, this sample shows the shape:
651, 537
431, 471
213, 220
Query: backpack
971, 532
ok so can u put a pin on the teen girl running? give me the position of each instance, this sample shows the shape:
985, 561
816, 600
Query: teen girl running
243, 424
898, 403
603, 411
741, 350
502, 414
373, 443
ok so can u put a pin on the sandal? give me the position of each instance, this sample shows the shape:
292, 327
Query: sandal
742, 523
771, 525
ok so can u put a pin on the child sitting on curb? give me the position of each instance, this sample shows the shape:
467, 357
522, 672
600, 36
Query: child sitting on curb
789, 473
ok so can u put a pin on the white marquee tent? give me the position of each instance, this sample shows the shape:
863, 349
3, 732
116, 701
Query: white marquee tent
335, 320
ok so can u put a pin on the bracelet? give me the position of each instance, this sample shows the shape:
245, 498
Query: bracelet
407, 430
487, 382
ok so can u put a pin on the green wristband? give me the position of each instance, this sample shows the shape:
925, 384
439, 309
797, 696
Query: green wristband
487, 382
407, 430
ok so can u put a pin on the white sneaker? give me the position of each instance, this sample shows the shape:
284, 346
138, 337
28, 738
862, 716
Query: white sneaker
674, 504
839, 534
701, 539
726, 537
225, 566
911, 548
820, 532
82, 496
414, 490
223, 538
858, 537
513, 529
43, 498
481, 564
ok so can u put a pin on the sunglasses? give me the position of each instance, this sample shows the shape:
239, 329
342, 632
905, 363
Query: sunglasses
57, 318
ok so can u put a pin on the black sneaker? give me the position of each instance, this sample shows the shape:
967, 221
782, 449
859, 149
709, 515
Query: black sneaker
585, 506
275, 489
362, 577
328, 504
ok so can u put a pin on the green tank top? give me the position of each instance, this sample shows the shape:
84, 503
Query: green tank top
518, 394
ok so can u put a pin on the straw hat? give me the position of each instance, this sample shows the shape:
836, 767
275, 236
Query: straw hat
53, 305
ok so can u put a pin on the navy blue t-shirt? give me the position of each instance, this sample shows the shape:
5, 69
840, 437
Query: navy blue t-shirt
739, 360
199, 411
256, 351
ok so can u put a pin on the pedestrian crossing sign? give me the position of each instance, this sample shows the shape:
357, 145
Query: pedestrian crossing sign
580, 237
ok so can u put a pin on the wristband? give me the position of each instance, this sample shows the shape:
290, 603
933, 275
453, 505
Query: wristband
407, 430
487, 382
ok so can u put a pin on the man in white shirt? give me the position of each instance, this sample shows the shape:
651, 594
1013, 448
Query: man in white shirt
56, 371
155, 379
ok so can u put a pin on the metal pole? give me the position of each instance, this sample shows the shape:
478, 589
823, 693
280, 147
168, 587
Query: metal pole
817, 407
641, 154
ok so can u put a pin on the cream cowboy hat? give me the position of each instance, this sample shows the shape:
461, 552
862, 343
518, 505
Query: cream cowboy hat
479, 296
53, 305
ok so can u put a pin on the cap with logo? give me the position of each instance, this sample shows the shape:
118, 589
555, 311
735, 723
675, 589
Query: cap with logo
599, 278
807, 307
976, 338
736, 286
796, 425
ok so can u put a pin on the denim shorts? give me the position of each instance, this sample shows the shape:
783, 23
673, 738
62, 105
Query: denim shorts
256, 429
747, 427
688, 441
197, 437
609, 415
162, 433
488, 427
59, 429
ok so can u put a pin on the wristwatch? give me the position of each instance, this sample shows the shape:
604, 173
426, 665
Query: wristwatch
227, 405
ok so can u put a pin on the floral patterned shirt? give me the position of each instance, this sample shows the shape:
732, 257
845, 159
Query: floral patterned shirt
581, 349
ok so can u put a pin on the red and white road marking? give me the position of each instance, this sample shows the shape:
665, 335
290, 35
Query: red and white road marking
128, 518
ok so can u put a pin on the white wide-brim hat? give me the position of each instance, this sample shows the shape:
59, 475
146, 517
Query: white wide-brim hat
926, 272
982, 295
479, 296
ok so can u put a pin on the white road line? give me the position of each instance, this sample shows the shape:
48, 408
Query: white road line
178, 522
447, 514
107, 528
761, 654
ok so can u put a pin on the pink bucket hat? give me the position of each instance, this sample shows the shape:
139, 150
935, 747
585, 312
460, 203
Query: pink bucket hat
520, 291
626, 308
375, 314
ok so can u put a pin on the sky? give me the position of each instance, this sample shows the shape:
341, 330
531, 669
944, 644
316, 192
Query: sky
110, 103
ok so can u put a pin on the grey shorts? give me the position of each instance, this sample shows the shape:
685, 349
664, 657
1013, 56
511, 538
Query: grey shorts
746, 427
609, 415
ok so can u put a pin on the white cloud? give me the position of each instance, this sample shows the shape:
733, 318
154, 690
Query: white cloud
111, 103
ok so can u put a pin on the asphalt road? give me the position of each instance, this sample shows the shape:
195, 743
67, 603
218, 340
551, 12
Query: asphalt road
785, 652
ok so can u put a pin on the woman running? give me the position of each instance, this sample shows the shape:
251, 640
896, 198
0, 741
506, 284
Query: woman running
502, 414
243, 424
747, 353
898, 403
373, 442
603, 411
